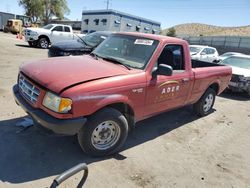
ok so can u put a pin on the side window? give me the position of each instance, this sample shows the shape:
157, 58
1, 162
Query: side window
172, 55
66, 29
58, 28
205, 51
211, 51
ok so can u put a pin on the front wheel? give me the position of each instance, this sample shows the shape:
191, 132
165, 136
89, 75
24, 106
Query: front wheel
204, 106
32, 44
104, 133
43, 43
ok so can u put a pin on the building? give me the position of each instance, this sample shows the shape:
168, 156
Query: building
4, 17
112, 20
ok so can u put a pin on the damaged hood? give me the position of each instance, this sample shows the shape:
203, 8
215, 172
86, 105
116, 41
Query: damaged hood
59, 73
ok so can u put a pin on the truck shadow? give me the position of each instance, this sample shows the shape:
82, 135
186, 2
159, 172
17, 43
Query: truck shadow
235, 96
33, 154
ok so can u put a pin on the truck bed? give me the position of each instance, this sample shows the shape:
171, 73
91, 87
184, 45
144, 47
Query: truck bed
200, 64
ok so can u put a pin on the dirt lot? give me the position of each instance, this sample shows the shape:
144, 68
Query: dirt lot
175, 149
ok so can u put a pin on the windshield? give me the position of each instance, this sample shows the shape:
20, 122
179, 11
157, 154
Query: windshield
241, 62
195, 49
94, 39
48, 26
132, 51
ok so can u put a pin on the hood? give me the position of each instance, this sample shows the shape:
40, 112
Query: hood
37, 29
241, 71
69, 45
59, 73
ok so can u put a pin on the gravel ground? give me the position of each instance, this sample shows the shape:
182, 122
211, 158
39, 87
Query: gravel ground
174, 149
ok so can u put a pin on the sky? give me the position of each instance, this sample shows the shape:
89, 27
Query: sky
168, 12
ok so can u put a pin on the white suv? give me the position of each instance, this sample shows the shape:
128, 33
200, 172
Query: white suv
203, 53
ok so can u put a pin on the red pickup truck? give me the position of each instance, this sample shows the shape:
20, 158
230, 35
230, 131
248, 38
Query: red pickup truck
128, 78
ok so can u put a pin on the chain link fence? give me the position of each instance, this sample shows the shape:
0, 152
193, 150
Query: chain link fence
223, 43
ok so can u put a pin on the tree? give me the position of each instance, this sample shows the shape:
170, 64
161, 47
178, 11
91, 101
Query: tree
55, 8
33, 8
171, 32
45, 9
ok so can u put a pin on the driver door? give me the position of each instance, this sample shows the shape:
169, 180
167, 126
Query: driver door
168, 92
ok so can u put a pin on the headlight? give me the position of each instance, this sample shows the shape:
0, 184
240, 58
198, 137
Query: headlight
56, 103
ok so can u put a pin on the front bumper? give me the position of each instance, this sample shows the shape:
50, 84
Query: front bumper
60, 126
30, 38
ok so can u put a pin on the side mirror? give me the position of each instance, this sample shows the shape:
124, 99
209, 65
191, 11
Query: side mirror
163, 70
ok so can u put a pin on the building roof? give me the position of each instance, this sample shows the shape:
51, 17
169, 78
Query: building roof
115, 12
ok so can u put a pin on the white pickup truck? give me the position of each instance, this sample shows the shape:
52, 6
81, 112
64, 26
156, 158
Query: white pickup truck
49, 34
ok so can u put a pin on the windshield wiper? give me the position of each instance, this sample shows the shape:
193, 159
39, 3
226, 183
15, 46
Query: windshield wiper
115, 61
81, 39
94, 55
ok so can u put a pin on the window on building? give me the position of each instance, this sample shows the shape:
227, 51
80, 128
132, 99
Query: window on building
58, 28
137, 28
104, 21
86, 21
117, 23
96, 21
129, 25
154, 31
66, 29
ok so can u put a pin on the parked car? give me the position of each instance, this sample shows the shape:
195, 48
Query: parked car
49, 34
226, 55
127, 78
83, 45
203, 53
240, 81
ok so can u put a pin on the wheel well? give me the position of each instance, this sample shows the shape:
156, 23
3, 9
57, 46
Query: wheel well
44, 36
215, 87
127, 111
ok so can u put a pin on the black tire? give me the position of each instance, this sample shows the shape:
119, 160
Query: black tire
205, 104
43, 43
87, 135
32, 44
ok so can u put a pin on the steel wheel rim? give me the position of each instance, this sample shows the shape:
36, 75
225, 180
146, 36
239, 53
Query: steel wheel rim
208, 103
44, 44
105, 135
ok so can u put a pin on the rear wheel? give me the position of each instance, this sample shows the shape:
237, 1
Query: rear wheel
104, 133
204, 106
43, 43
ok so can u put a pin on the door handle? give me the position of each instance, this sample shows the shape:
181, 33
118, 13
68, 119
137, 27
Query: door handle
184, 80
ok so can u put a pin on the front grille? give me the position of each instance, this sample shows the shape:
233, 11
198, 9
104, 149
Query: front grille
28, 90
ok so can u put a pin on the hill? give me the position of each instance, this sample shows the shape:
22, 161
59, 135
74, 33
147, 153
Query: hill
197, 29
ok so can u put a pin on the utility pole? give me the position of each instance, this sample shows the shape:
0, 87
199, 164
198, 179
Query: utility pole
107, 4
